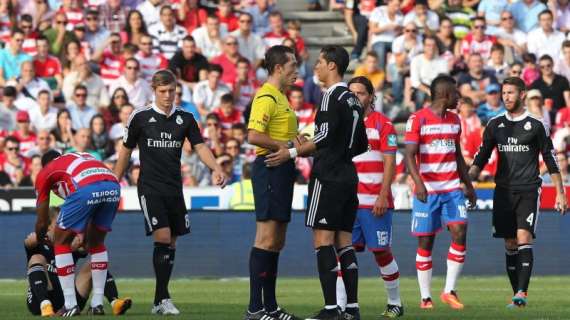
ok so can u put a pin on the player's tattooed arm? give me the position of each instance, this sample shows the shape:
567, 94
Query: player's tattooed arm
410, 157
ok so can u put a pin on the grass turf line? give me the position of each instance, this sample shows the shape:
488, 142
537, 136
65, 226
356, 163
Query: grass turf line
205, 299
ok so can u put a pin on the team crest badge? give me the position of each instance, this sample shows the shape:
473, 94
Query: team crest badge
179, 120
527, 126
154, 221
392, 141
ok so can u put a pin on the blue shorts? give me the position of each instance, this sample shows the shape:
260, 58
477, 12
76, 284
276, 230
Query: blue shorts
96, 202
427, 217
372, 232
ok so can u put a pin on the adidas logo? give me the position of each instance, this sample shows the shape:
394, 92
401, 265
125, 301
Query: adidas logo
323, 221
152, 119
502, 125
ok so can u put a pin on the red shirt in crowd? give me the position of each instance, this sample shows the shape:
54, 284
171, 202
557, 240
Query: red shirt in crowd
469, 46
111, 66
226, 122
230, 21
195, 18
26, 143
29, 44
12, 169
48, 68
305, 115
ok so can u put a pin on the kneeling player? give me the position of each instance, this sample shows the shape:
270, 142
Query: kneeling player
91, 196
376, 169
44, 293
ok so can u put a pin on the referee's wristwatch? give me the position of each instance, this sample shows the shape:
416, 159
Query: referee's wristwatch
292, 149
290, 144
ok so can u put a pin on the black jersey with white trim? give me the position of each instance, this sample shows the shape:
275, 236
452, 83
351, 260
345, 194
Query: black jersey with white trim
519, 142
160, 138
340, 135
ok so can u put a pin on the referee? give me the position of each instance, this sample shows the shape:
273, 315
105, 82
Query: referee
159, 130
340, 135
272, 127
520, 139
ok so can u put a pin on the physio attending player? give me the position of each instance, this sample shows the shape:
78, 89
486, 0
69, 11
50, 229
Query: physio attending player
92, 195
376, 169
520, 139
159, 130
432, 144
272, 127
340, 135
44, 294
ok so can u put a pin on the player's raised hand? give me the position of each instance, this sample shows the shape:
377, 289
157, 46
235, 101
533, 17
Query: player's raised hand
219, 178
561, 203
421, 192
278, 157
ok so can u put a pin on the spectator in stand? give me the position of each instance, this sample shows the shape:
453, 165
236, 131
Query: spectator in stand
491, 10
118, 129
12, 57
470, 123
194, 172
8, 18
30, 35
167, 35
135, 28
13, 163
190, 15
81, 74
187, 63
371, 70
562, 64
43, 116
227, 163
493, 105
512, 38
207, 93
63, 132
79, 31
386, 24
150, 61
356, 15
73, 11
233, 149
526, 13
239, 132
227, 114
48, 67
244, 86
425, 20
472, 84
108, 56
224, 11
251, 46
562, 118
404, 48
515, 70
552, 86
71, 50
260, 13
545, 40
43, 144
294, 31
23, 132
28, 86
138, 90
561, 11
111, 113
150, 10
80, 112
447, 43
39, 10
212, 134
187, 106
208, 38
35, 167
535, 106
57, 35
100, 136
530, 72
305, 111
424, 68
82, 143
497, 62
113, 15
95, 33
477, 41
460, 16
228, 60
277, 32
8, 109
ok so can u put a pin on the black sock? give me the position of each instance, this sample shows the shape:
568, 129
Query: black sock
349, 267
38, 281
111, 292
257, 273
328, 273
162, 270
270, 281
171, 262
512, 261
525, 266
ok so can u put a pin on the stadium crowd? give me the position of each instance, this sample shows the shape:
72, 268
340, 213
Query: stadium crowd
72, 72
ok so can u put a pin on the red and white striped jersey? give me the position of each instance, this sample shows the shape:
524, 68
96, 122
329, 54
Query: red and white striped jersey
438, 138
110, 68
305, 115
370, 165
29, 44
74, 17
151, 63
65, 174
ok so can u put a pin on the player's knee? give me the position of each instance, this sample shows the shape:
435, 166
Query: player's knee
511, 244
162, 235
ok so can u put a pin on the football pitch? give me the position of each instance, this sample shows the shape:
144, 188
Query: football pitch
225, 299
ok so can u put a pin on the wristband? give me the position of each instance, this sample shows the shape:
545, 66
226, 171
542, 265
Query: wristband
292, 153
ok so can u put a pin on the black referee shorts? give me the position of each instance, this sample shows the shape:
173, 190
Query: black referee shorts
331, 205
165, 212
273, 190
513, 210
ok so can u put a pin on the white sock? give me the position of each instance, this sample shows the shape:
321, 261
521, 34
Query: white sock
424, 268
66, 274
340, 291
391, 277
99, 261
455, 260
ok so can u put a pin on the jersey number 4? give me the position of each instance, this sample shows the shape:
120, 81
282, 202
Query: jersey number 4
530, 219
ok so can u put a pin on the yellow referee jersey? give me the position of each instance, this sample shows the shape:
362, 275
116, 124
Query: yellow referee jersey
272, 114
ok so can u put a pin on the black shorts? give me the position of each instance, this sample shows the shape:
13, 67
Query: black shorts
513, 210
331, 206
165, 212
55, 296
273, 190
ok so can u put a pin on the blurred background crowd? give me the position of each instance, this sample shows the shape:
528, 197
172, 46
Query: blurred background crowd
72, 72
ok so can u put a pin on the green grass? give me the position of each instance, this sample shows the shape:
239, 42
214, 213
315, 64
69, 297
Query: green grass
484, 297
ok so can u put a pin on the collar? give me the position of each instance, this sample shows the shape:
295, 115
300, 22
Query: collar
519, 118
338, 84
157, 109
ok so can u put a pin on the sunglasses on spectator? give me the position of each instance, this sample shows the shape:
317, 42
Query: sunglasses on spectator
479, 26
211, 124
231, 43
545, 66
61, 22
411, 30
507, 18
179, 94
245, 20
13, 148
516, 71
19, 39
79, 95
91, 18
26, 26
132, 68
